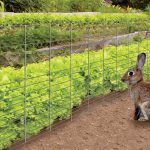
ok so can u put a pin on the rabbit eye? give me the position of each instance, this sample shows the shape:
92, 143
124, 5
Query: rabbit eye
131, 73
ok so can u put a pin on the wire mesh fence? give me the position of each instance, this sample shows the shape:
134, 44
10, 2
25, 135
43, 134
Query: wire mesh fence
48, 70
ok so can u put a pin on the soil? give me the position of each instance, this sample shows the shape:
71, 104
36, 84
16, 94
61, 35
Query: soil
106, 125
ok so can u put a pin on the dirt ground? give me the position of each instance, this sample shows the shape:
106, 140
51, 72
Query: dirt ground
107, 125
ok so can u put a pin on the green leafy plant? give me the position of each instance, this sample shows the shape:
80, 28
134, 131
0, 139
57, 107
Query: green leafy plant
138, 38
37, 37
52, 5
108, 19
82, 6
147, 9
2, 7
72, 5
27, 5
108, 8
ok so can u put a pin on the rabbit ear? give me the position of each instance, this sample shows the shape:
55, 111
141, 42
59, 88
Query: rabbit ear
141, 60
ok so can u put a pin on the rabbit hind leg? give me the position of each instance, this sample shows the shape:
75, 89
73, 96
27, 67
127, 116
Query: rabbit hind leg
144, 107
147, 109
137, 113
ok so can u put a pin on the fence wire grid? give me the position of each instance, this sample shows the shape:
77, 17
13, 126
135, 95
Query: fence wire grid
48, 70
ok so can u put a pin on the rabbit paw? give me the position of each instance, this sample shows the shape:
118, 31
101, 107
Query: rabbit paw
142, 119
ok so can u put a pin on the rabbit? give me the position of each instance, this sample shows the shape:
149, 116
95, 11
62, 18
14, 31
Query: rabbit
139, 89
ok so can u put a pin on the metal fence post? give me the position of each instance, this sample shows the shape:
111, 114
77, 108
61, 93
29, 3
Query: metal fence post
103, 67
147, 70
128, 26
50, 87
71, 71
117, 87
25, 82
138, 44
88, 90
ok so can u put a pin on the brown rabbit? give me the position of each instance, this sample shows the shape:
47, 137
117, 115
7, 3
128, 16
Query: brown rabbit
139, 89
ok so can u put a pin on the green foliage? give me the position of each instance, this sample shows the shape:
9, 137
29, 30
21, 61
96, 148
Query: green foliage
134, 4
27, 5
37, 37
140, 3
45, 103
79, 19
138, 38
82, 6
52, 5
147, 9
2, 8
69, 5
111, 9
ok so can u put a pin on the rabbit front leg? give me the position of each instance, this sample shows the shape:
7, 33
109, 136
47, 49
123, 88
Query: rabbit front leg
143, 110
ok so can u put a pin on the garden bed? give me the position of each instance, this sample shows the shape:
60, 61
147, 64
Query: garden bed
107, 124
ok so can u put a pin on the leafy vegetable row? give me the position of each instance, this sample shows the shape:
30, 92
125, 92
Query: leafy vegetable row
100, 18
